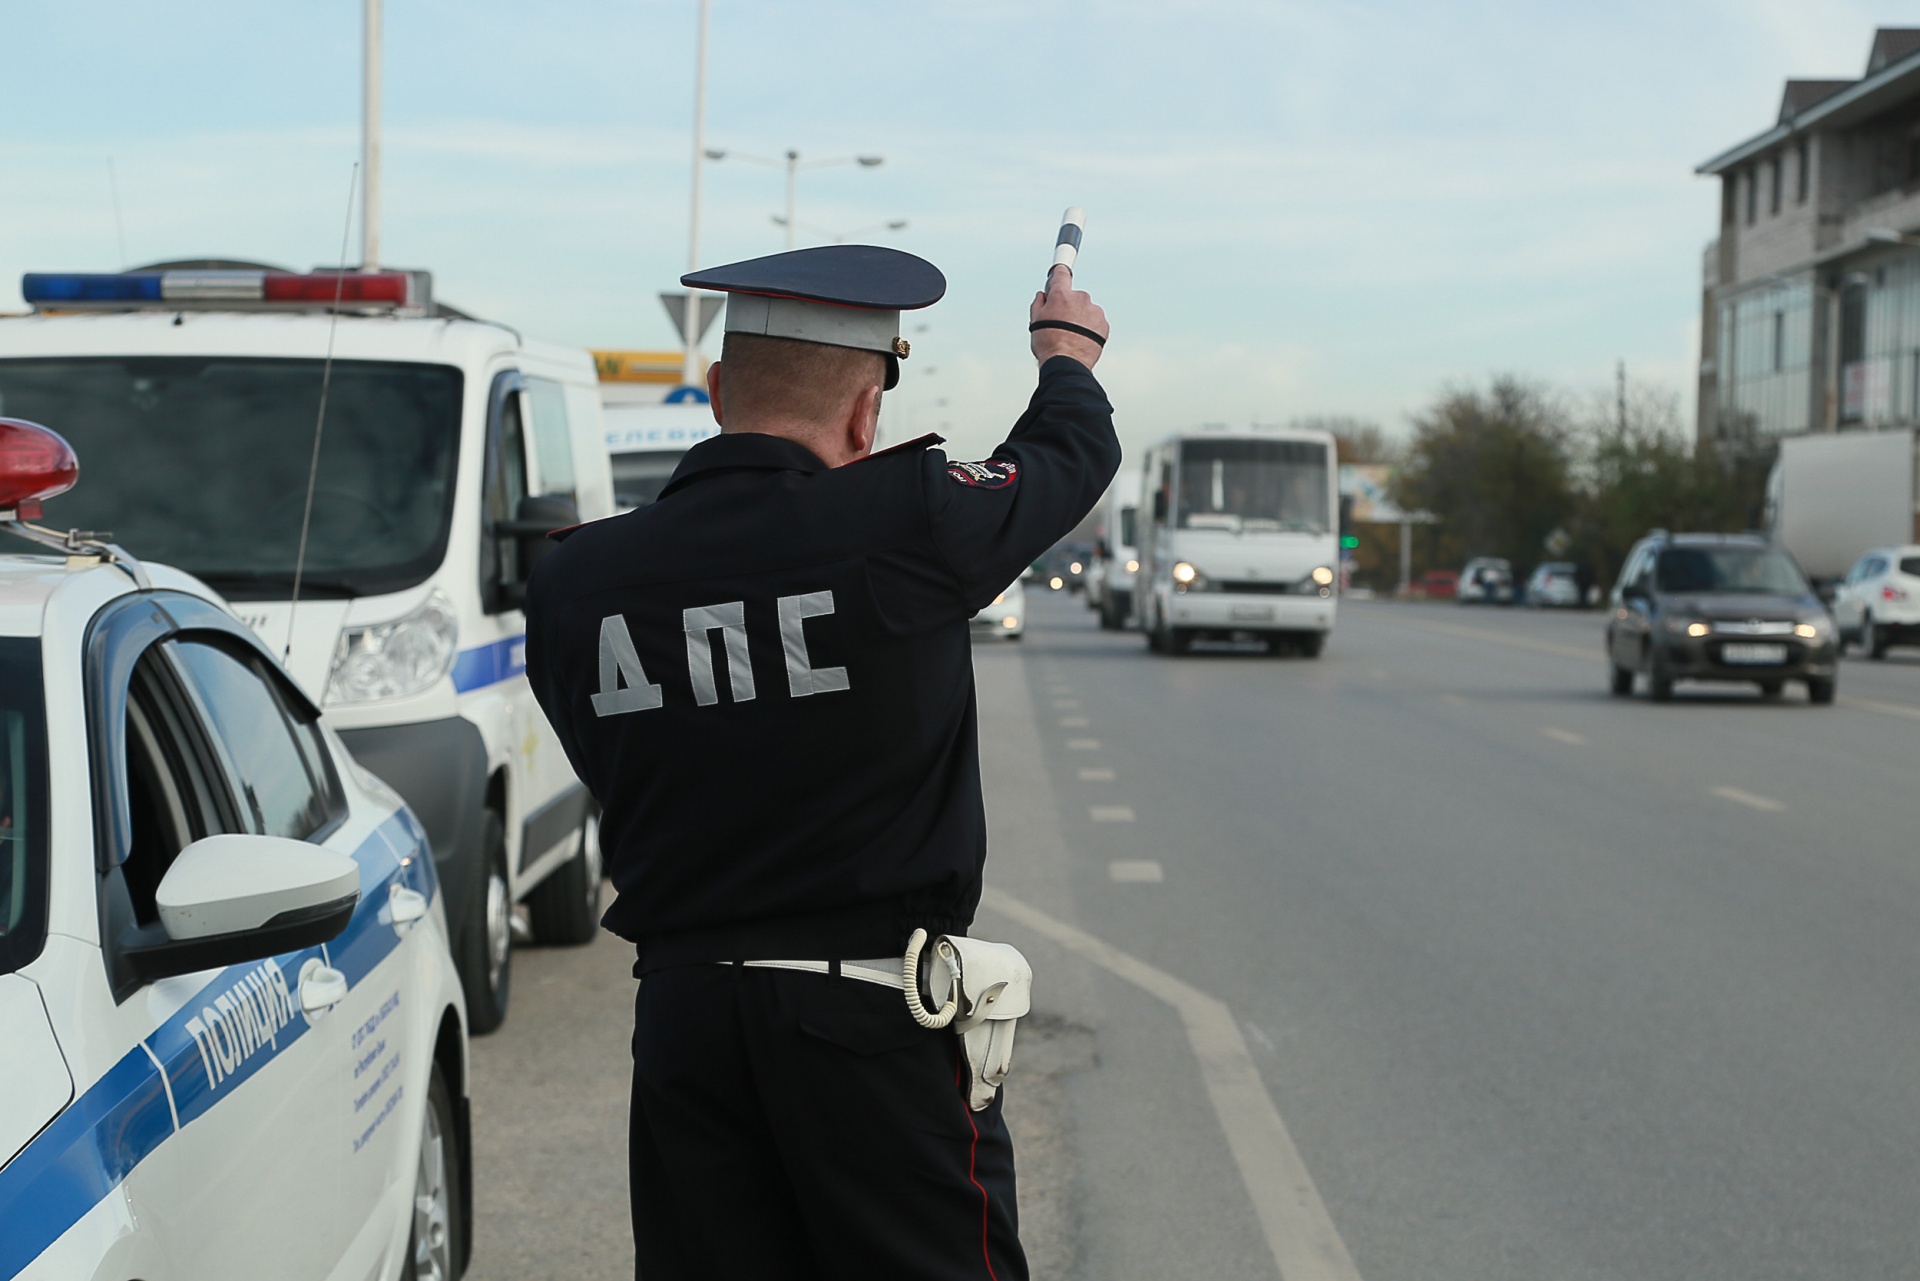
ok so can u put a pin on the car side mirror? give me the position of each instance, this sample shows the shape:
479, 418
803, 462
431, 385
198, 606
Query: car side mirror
1633, 591
235, 898
537, 516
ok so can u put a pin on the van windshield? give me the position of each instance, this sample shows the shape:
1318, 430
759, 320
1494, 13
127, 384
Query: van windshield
1254, 485
1761, 571
23, 804
202, 461
638, 478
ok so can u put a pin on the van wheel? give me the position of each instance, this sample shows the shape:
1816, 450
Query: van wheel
1309, 644
486, 944
434, 1247
564, 909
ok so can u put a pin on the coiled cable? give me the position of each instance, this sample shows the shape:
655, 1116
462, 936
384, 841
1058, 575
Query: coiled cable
910, 980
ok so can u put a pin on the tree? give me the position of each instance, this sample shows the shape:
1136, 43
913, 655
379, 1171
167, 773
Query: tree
1495, 467
1356, 440
1641, 472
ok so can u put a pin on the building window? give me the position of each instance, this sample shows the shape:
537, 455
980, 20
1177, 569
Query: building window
1753, 195
1779, 341
1802, 171
1773, 192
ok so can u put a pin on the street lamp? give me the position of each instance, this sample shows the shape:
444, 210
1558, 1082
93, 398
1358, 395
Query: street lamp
841, 237
793, 164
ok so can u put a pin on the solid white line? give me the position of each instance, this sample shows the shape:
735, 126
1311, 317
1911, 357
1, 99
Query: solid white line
1305, 1244
1096, 776
1111, 813
1566, 736
1136, 871
1766, 803
1885, 709
1083, 744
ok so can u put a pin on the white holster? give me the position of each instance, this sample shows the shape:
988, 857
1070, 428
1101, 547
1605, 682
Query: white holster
988, 987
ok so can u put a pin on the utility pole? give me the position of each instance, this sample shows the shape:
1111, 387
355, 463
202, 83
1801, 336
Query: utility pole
370, 136
1620, 396
793, 181
690, 368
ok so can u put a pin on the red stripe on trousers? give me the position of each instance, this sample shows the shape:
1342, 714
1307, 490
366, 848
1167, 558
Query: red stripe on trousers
972, 1152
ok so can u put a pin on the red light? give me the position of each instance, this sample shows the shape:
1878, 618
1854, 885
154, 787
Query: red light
35, 463
352, 288
1892, 593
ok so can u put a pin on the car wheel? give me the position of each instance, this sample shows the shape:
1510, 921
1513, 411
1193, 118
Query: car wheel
565, 908
1622, 682
486, 946
1771, 689
1873, 641
1820, 690
434, 1247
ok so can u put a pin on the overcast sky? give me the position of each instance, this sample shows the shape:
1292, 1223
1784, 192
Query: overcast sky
1330, 207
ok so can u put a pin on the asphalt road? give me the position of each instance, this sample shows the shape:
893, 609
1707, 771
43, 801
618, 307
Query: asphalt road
1425, 959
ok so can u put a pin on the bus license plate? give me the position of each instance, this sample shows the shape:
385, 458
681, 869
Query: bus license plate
1755, 655
1253, 613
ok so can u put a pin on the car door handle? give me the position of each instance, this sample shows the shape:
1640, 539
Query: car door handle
405, 905
321, 988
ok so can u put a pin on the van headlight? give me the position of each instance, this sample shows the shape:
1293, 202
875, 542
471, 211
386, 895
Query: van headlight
1322, 576
393, 660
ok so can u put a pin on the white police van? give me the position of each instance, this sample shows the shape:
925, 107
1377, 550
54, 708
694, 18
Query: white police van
231, 1032
645, 442
449, 448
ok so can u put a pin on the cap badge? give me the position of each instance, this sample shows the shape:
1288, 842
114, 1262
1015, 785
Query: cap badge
901, 347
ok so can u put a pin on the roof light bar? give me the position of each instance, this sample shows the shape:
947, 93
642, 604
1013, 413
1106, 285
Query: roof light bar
224, 290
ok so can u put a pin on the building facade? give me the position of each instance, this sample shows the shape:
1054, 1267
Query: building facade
1810, 297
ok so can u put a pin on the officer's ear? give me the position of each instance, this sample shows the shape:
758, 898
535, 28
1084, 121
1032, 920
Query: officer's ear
863, 422
713, 392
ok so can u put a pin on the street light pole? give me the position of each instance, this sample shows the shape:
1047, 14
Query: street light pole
370, 136
690, 364
793, 182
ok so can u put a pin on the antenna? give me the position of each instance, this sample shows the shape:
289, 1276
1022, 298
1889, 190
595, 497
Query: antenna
119, 225
320, 423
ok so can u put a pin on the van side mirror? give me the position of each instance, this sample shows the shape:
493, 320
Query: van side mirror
1159, 506
537, 516
234, 898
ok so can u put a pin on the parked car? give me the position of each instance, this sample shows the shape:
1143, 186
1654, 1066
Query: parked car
1007, 615
1486, 580
1435, 584
1718, 607
233, 1040
1555, 583
1878, 603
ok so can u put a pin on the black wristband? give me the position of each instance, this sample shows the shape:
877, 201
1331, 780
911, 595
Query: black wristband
1069, 326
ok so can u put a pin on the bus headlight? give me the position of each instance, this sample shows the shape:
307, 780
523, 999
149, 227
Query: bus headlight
393, 660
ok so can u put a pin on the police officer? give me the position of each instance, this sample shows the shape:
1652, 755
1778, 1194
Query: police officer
765, 679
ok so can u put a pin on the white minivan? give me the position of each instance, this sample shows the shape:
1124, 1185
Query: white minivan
1116, 552
1241, 538
447, 450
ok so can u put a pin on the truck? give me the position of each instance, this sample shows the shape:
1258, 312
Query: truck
1830, 497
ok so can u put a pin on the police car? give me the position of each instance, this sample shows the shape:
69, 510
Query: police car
232, 1037
449, 448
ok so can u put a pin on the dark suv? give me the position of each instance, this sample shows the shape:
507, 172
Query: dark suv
1718, 607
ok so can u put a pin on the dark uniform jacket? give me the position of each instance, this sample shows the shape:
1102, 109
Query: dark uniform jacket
765, 679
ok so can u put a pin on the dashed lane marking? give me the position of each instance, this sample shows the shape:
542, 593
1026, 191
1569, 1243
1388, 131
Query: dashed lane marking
1066, 704
1741, 797
1110, 813
1083, 744
1566, 736
1136, 871
1300, 1233
1074, 722
1594, 655
1096, 776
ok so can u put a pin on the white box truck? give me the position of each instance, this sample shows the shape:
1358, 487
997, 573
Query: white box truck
1830, 497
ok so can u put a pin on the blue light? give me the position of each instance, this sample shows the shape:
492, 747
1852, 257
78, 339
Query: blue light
85, 287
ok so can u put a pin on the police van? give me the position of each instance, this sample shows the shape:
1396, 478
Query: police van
232, 1038
447, 449
645, 442
1240, 539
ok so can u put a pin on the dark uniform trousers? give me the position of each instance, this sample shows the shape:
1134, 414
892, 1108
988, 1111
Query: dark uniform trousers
790, 1126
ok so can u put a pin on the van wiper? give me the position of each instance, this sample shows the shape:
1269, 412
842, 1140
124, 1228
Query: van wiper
316, 584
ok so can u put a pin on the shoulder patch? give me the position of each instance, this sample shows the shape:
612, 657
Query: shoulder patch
988, 475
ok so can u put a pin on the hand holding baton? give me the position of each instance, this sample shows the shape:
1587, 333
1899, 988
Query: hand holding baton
1068, 301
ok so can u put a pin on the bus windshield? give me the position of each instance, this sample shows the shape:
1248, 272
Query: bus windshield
202, 461
1254, 485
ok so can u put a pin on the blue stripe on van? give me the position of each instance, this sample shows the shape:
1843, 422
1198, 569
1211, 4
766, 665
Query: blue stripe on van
90, 1148
490, 664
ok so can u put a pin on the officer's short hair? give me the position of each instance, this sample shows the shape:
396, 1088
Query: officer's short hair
762, 377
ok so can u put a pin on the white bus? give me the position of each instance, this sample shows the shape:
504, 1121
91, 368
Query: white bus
1116, 554
1240, 539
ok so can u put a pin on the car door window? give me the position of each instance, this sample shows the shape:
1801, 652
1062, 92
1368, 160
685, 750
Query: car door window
175, 793
1876, 566
506, 486
552, 437
280, 766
